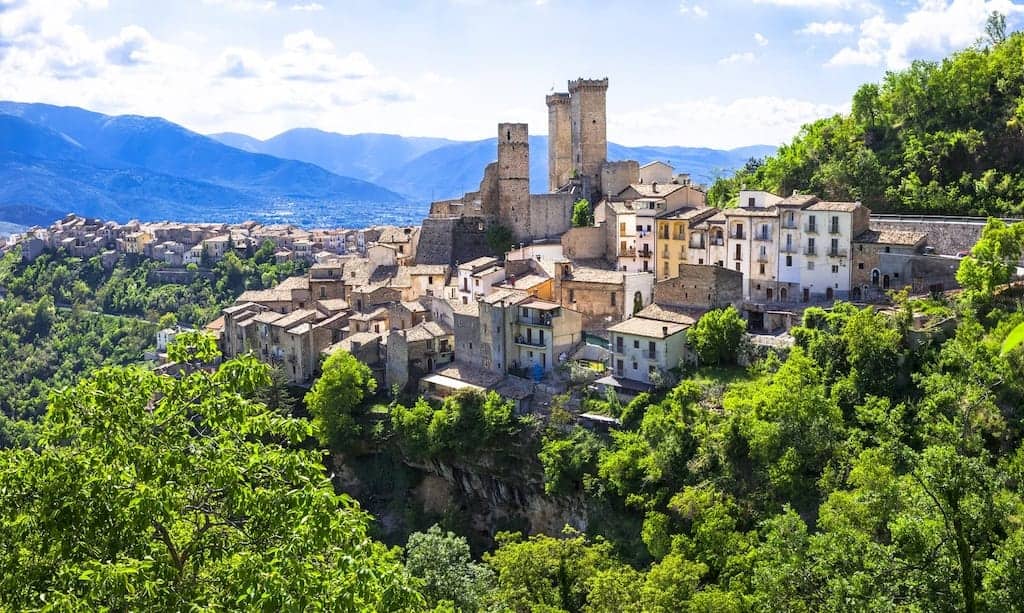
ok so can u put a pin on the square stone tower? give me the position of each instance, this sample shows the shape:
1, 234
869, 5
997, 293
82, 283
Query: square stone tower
514, 177
589, 128
559, 141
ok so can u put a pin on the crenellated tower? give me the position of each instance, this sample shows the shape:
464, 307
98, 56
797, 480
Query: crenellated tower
588, 128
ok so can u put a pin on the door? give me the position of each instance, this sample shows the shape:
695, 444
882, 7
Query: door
768, 293
828, 293
807, 294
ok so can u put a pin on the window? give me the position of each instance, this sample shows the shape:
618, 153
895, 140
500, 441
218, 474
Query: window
651, 369
762, 269
835, 269
834, 248
634, 365
739, 252
525, 312
401, 249
430, 280
810, 265
572, 295
737, 267
323, 291
615, 299
789, 260
622, 228
618, 366
618, 345
751, 201
636, 344
860, 265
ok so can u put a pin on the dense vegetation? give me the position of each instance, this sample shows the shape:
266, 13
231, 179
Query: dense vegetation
939, 137
131, 288
64, 316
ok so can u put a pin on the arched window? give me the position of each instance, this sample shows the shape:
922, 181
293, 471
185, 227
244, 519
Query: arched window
874, 277
783, 294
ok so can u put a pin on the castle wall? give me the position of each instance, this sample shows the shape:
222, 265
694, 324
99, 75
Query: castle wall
584, 243
617, 176
513, 178
550, 215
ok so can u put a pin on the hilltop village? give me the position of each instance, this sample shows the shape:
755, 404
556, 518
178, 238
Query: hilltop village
434, 309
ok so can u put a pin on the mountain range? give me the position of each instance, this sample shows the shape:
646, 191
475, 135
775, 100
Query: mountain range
55, 160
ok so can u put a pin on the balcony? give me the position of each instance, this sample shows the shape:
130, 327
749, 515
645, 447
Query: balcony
810, 251
788, 248
543, 320
789, 224
836, 253
736, 235
717, 242
629, 252
646, 253
699, 245
763, 236
762, 257
529, 342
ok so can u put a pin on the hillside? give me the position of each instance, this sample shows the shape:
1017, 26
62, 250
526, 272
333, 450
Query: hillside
939, 137
69, 159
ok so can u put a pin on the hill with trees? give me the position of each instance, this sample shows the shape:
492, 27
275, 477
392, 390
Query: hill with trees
939, 137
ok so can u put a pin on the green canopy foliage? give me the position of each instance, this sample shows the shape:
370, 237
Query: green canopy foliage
937, 137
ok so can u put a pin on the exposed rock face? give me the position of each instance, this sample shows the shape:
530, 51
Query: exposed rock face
477, 492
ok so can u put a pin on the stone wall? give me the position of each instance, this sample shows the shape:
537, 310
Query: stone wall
550, 215
617, 176
584, 243
559, 141
452, 240
701, 286
589, 127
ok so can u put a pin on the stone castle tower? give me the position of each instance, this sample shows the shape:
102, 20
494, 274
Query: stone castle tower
514, 177
559, 141
579, 130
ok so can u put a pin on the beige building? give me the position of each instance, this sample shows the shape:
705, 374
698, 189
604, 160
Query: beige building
677, 236
648, 345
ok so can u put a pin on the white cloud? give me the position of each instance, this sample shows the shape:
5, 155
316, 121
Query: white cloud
713, 122
696, 10
760, 39
935, 27
245, 6
308, 7
738, 58
826, 28
819, 4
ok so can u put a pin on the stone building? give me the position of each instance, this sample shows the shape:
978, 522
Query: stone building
884, 259
646, 347
601, 296
414, 352
701, 287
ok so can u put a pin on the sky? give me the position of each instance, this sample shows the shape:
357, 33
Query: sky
707, 73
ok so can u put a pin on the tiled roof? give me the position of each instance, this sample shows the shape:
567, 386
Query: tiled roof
665, 313
587, 274
890, 237
510, 296
689, 213
652, 328
481, 262
425, 331
843, 207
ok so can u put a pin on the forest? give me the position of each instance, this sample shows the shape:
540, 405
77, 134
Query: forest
937, 138
63, 316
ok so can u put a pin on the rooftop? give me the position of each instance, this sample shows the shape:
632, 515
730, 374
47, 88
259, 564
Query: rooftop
890, 237
651, 328
481, 262
660, 312
843, 207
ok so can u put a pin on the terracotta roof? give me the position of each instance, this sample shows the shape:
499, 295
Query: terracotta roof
751, 212
689, 213
293, 283
293, 318
260, 296
425, 331
660, 312
510, 296
652, 328
471, 308
845, 207
378, 313
799, 200
480, 262
890, 237
527, 282
647, 190
469, 374
587, 274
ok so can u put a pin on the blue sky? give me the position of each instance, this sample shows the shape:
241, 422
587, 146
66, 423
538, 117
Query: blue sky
716, 73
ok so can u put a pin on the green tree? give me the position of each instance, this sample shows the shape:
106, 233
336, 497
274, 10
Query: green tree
582, 214
717, 335
499, 239
443, 562
154, 493
992, 259
336, 399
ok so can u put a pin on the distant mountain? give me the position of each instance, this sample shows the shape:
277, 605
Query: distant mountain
425, 169
367, 156
69, 159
